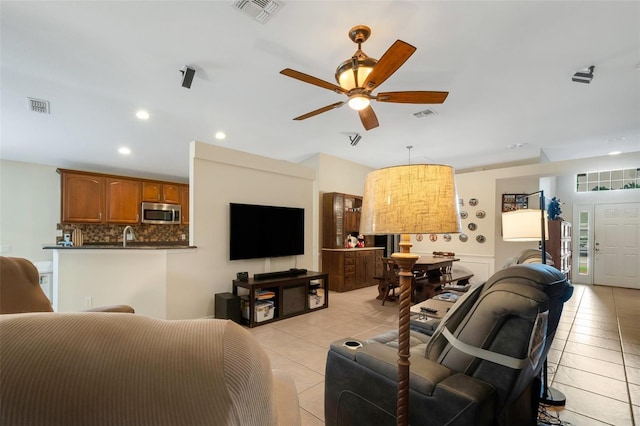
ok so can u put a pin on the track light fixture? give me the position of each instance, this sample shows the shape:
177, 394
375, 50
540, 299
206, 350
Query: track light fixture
584, 76
355, 139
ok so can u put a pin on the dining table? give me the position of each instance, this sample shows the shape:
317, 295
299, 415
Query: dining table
431, 273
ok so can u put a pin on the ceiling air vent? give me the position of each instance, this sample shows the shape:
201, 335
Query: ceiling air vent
260, 10
423, 114
38, 105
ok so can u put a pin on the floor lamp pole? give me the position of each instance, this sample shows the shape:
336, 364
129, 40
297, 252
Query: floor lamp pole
551, 397
405, 261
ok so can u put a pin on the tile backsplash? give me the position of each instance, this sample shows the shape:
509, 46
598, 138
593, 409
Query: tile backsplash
110, 233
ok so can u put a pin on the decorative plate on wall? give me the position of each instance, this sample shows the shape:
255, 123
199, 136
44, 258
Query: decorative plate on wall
473, 202
480, 214
480, 239
463, 237
433, 237
472, 226
464, 214
418, 237
446, 237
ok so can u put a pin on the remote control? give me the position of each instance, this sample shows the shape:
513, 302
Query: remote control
429, 310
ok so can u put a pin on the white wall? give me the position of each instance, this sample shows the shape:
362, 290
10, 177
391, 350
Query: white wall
29, 209
333, 175
220, 176
111, 277
558, 180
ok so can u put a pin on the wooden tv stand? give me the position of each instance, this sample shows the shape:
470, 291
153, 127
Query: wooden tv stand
291, 295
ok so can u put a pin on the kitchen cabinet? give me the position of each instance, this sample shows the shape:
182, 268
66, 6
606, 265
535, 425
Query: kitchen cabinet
350, 269
88, 197
82, 198
184, 198
158, 192
122, 200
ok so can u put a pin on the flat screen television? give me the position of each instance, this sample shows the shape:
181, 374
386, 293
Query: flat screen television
265, 231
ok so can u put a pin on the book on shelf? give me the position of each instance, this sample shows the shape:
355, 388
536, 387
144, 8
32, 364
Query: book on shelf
265, 294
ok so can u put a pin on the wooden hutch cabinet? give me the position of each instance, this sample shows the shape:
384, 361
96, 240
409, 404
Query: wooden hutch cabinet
340, 218
348, 268
559, 245
354, 268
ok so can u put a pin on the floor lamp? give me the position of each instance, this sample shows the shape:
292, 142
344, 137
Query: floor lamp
411, 199
531, 225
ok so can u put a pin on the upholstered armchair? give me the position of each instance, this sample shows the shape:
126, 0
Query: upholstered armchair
20, 289
112, 369
481, 366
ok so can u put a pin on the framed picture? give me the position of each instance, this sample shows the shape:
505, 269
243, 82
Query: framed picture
512, 202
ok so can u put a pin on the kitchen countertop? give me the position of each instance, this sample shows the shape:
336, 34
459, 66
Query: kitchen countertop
118, 246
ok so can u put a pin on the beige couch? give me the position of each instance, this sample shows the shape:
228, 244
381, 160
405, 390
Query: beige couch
110, 368
114, 369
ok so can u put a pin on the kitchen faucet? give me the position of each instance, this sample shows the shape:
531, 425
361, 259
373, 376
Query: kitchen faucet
124, 235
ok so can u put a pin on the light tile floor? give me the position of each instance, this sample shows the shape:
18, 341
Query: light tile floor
594, 359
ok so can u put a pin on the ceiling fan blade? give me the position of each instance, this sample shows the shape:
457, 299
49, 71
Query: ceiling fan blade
413, 97
320, 111
311, 80
368, 118
392, 59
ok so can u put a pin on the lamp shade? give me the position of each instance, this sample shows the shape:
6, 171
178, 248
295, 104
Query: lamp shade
523, 225
411, 199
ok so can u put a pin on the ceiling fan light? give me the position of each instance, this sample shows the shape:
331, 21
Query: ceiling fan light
346, 75
359, 102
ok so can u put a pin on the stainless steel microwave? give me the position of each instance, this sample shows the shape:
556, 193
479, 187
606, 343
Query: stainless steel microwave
161, 214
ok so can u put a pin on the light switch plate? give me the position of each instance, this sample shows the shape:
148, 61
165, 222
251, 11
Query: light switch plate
58, 232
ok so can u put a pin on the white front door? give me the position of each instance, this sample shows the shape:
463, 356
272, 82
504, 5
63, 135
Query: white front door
617, 241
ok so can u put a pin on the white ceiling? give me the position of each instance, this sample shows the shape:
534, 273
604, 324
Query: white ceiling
506, 65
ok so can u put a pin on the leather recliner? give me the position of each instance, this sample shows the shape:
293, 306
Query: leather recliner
481, 366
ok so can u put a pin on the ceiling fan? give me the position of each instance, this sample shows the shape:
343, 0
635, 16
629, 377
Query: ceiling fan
360, 75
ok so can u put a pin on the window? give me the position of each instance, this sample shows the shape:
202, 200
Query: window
610, 180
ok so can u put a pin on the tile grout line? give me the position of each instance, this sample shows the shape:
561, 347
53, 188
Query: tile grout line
624, 363
573, 320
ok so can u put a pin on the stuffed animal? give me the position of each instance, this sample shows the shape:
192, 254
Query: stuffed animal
351, 241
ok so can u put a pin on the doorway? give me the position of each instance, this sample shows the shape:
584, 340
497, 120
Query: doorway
617, 245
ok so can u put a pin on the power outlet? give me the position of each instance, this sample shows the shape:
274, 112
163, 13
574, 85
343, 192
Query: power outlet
58, 232
129, 237
88, 302
183, 236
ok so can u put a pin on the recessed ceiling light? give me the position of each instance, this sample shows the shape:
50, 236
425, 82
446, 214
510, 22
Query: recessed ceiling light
142, 114
618, 139
517, 145
124, 150
220, 135
615, 152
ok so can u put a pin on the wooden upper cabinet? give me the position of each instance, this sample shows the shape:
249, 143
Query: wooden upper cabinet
100, 198
122, 200
157, 192
184, 197
170, 193
82, 198
152, 191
